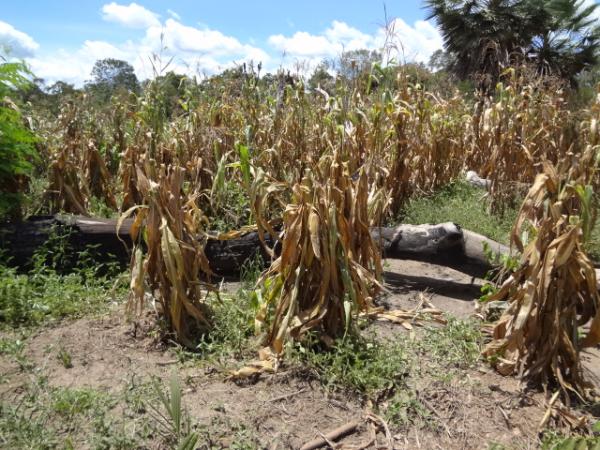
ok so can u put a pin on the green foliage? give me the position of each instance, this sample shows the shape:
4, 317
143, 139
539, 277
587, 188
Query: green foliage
556, 36
65, 358
43, 294
250, 272
363, 367
231, 209
405, 408
17, 151
15, 349
48, 417
112, 76
69, 403
460, 203
321, 78
98, 208
224, 433
508, 262
554, 441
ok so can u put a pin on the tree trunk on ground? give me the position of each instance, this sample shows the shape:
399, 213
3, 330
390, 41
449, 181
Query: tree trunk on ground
445, 244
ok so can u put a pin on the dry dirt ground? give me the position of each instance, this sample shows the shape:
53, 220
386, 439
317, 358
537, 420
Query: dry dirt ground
478, 409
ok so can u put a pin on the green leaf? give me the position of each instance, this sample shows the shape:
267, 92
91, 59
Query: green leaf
244, 155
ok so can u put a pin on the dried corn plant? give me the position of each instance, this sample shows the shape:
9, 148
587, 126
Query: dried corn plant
174, 261
553, 295
525, 123
329, 267
76, 169
417, 139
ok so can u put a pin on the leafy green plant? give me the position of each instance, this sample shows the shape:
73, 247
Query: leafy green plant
35, 298
43, 294
360, 366
230, 209
46, 417
404, 409
17, 151
69, 403
65, 358
15, 349
172, 417
554, 441
224, 433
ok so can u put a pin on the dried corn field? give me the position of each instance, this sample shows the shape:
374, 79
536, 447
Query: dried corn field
312, 172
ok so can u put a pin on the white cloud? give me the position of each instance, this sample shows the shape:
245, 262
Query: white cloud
350, 38
303, 45
132, 15
336, 39
411, 43
191, 50
200, 50
17, 43
179, 37
406, 43
74, 67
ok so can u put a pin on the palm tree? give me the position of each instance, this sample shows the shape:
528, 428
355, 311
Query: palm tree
484, 36
567, 39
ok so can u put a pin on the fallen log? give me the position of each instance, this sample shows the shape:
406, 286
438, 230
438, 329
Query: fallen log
445, 244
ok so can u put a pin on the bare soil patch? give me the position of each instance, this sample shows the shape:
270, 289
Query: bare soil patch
475, 409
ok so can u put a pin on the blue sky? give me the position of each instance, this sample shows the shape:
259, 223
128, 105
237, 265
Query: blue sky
62, 39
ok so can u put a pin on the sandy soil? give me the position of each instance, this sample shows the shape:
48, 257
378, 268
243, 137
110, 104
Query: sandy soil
286, 410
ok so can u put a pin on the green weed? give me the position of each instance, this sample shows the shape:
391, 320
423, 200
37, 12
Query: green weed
171, 417
43, 294
363, 367
404, 409
223, 433
233, 328
251, 270
14, 348
69, 403
231, 207
45, 417
554, 441
456, 345
65, 358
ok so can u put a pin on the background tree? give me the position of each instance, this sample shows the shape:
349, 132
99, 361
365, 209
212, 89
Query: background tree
112, 76
440, 60
567, 38
322, 78
357, 64
484, 36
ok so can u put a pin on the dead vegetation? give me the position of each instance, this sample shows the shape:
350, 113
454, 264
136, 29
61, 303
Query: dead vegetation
326, 166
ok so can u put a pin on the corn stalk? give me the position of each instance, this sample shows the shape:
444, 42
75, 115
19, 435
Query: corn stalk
329, 268
553, 294
170, 225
